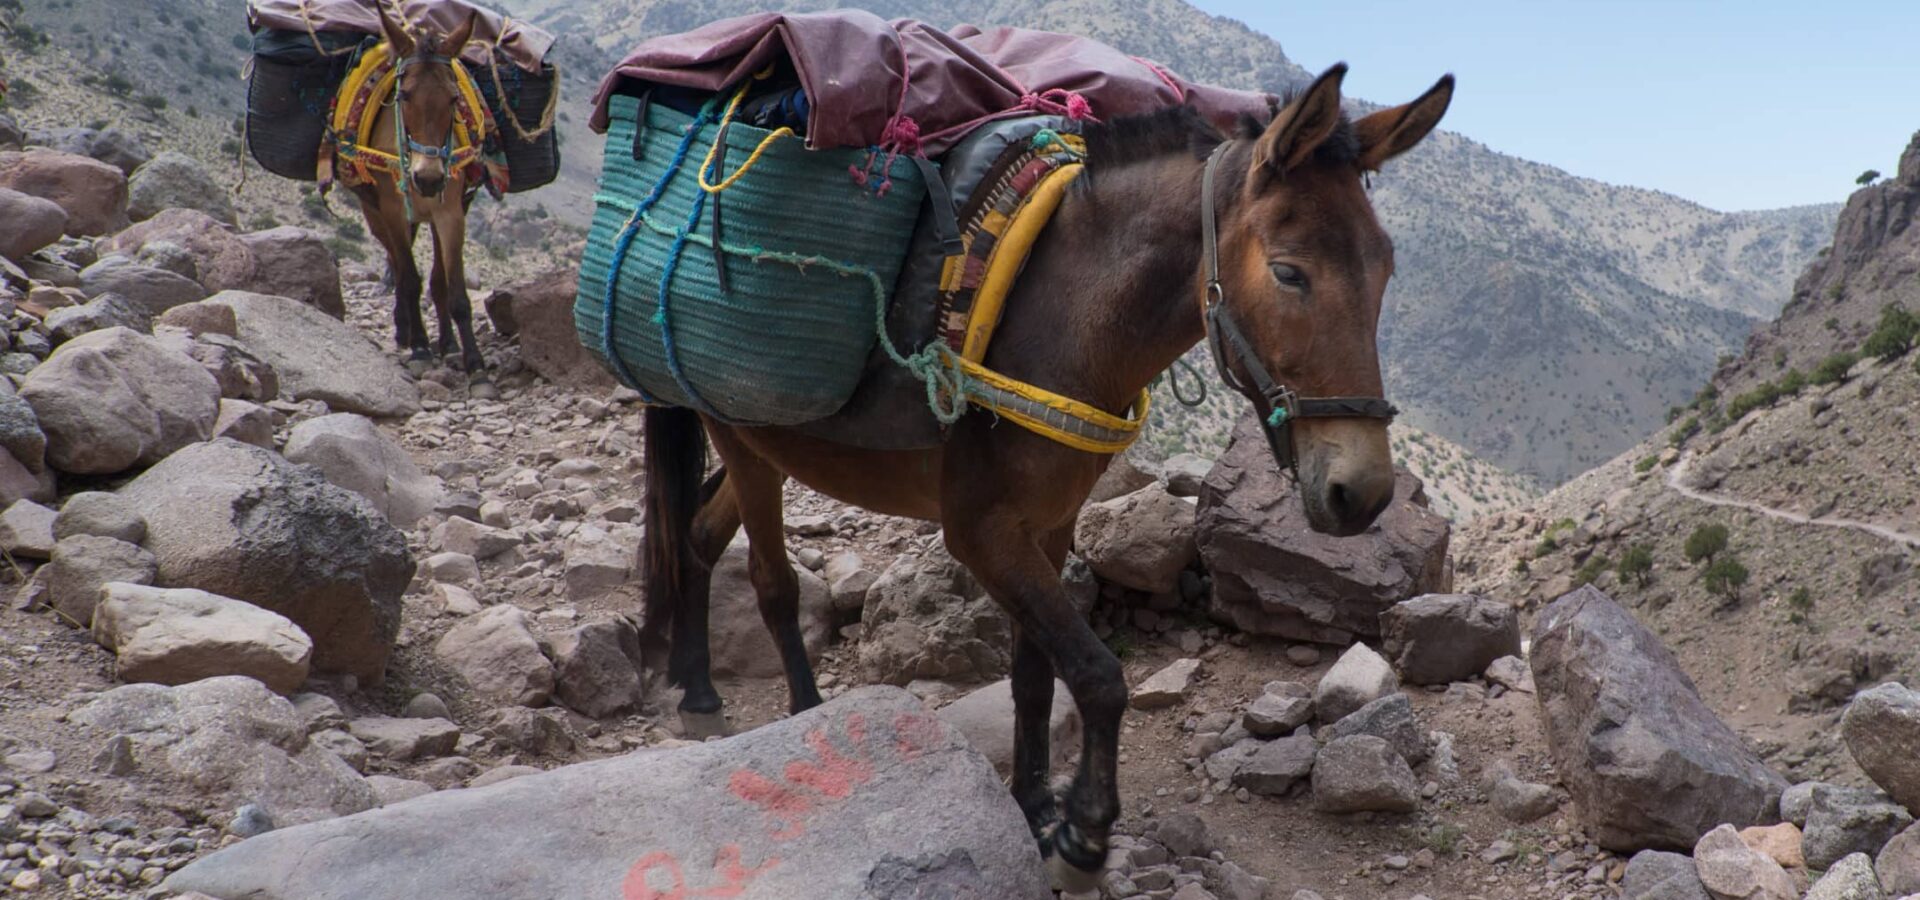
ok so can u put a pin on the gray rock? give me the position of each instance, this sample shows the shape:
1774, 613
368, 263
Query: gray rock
1167, 687
227, 741
426, 705
32, 223
1185, 473
1658, 875
18, 482
100, 514
1273, 575
599, 561
400, 740
26, 530
926, 617
345, 746
91, 193
1272, 715
319, 357
1360, 677
1842, 822
319, 711
240, 374
355, 454
295, 263
246, 422
536, 731
1850, 878
1390, 718
1276, 766
1898, 864
21, 435
179, 635
1183, 834
1443, 638
250, 820
1142, 540
171, 257
847, 581
596, 668
1647, 762
114, 399
472, 538
120, 149
1512, 673
718, 813
453, 568
496, 653
82, 565
1121, 477
1523, 801
1882, 731
503, 773
175, 180
388, 790
1363, 773
1730, 869
985, 718
241, 522
153, 290
1797, 801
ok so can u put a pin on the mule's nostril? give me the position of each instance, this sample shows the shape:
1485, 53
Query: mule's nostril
1340, 500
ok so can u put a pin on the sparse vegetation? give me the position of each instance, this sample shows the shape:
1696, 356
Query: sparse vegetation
1636, 565
1590, 570
1725, 577
1868, 177
1706, 542
1833, 369
1893, 337
1687, 429
1646, 464
1799, 605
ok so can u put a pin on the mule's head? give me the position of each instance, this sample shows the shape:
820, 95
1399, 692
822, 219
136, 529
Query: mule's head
1305, 265
426, 93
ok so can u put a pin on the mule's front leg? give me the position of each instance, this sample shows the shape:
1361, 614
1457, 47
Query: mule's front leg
1006, 556
1032, 688
449, 239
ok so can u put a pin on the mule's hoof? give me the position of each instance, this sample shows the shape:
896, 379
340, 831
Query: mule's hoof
482, 389
1071, 880
700, 726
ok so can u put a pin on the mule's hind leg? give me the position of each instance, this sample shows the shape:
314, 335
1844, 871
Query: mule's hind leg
757, 490
995, 542
1033, 716
690, 661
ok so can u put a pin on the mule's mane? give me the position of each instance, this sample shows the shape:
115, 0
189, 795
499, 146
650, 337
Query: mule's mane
1181, 129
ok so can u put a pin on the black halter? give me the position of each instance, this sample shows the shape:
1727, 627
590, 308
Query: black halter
1277, 405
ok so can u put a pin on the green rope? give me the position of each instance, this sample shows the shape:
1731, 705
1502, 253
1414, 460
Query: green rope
947, 386
1277, 417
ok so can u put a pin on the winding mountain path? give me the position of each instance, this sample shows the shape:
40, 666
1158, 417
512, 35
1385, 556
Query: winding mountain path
1677, 474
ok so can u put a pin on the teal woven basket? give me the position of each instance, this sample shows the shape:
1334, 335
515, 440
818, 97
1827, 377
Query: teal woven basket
811, 257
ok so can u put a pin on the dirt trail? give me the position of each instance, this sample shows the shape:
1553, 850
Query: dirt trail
1678, 473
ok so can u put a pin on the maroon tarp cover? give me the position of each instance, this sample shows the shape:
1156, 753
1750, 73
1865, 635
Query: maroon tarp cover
526, 45
912, 86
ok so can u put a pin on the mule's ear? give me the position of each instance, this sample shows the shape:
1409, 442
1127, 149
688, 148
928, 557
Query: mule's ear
396, 30
1391, 132
1302, 126
456, 41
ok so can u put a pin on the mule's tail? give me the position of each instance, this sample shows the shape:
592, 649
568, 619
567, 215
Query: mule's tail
676, 459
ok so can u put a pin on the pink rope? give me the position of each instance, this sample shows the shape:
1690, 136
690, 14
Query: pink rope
1179, 90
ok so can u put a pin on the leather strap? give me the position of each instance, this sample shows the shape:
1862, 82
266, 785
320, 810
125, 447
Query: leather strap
1276, 404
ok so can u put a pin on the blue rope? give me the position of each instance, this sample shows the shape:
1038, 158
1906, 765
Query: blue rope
660, 313
608, 349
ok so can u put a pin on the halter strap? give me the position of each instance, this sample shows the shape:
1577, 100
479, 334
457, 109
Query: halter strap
1282, 405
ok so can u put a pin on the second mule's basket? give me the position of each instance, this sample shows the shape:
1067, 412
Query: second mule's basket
809, 251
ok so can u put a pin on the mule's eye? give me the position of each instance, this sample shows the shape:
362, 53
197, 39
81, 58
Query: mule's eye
1288, 276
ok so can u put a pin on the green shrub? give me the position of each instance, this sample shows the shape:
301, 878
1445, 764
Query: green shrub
1893, 337
1799, 605
119, 84
1793, 382
1520, 567
1705, 542
154, 102
1706, 398
1725, 577
1833, 369
1590, 570
1547, 545
1636, 565
1687, 429
1759, 397
1646, 464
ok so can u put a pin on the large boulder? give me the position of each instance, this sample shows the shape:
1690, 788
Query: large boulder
31, 223
1648, 763
1882, 731
985, 717
179, 635
867, 796
280, 262
1273, 575
742, 645
156, 290
228, 741
172, 180
1141, 540
294, 262
239, 521
100, 313
1443, 638
319, 357
114, 399
92, 193
120, 149
355, 454
1844, 822
496, 652
83, 565
926, 617
540, 309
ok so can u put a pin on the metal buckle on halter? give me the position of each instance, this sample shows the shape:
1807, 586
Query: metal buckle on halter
1283, 405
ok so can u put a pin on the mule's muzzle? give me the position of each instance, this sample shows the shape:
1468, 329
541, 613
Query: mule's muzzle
1348, 504
430, 184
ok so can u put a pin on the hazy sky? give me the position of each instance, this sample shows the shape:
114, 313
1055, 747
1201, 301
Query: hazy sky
1736, 104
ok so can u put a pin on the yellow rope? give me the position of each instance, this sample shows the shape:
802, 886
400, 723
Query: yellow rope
726, 118
500, 90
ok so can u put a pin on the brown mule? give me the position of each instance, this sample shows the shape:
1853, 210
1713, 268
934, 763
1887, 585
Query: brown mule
1121, 284
432, 193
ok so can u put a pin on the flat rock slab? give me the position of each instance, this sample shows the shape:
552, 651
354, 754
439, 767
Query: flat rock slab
869, 796
319, 357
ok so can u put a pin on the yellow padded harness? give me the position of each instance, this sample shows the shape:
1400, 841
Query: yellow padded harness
373, 83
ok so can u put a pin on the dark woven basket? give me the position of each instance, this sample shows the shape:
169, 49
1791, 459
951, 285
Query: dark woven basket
288, 94
530, 163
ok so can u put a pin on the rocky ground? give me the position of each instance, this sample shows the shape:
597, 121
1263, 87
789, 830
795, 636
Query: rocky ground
265, 576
